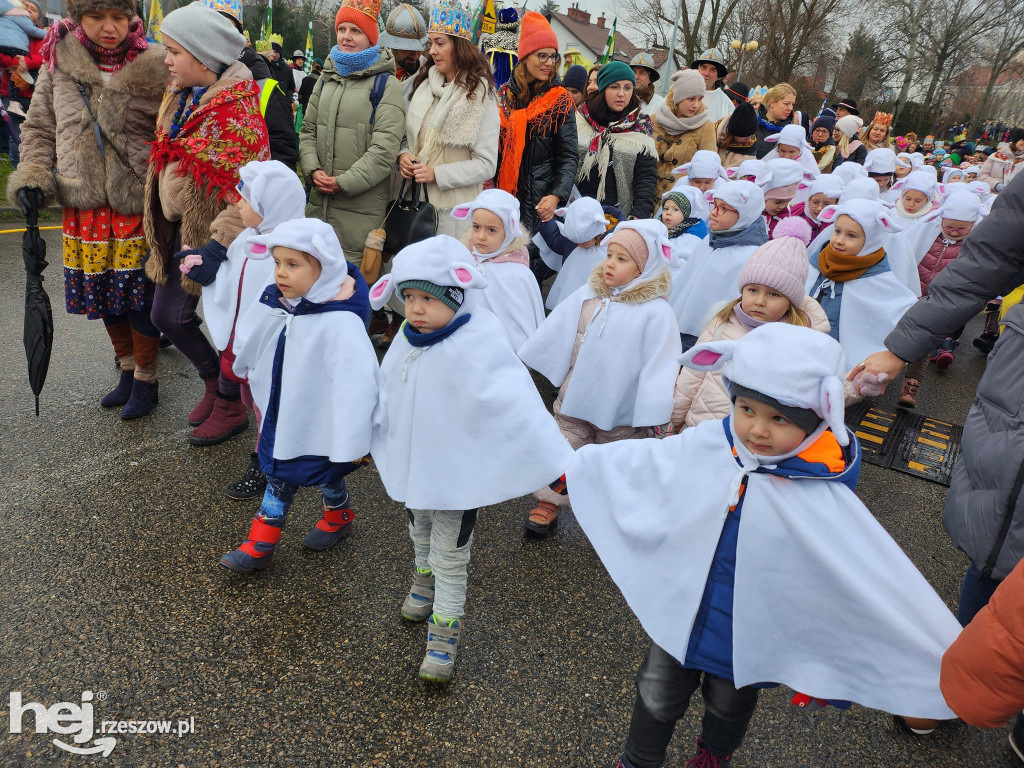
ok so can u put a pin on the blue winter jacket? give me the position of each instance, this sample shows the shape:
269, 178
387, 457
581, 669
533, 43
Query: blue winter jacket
16, 30
710, 646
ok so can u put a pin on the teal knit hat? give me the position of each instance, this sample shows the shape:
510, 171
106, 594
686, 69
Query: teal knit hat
448, 295
613, 72
679, 199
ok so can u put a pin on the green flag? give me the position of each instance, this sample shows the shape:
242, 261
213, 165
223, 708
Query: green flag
609, 48
309, 50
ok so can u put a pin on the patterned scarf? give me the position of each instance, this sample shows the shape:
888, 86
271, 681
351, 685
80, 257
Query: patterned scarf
541, 117
215, 139
842, 269
107, 59
347, 63
599, 149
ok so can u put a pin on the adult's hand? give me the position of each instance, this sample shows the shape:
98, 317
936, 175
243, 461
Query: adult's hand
30, 199
423, 174
327, 185
405, 165
546, 207
884, 362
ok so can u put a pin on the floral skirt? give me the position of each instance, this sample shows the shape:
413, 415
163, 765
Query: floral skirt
103, 253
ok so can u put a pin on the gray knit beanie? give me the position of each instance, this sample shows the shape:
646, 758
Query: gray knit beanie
804, 418
204, 33
687, 83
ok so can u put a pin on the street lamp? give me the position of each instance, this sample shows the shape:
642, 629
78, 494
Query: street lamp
743, 46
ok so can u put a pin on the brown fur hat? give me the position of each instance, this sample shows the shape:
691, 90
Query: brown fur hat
78, 8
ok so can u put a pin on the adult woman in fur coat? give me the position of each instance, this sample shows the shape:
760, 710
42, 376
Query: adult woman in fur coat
451, 124
98, 68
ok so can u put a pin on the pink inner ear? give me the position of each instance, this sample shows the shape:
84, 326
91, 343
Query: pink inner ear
666, 251
258, 248
730, 172
380, 289
463, 275
706, 357
460, 213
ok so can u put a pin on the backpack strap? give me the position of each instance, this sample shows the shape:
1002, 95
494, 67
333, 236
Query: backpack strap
380, 82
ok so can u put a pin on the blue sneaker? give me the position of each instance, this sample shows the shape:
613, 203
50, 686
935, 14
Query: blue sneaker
442, 644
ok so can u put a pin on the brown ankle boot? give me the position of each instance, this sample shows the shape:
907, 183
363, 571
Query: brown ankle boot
908, 395
543, 519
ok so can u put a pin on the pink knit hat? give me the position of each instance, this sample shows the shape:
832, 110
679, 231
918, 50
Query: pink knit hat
780, 264
636, 246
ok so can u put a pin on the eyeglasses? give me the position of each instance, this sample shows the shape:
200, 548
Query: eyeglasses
721, 208
544, 58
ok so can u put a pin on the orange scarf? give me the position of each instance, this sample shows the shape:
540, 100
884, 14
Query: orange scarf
543, 114
842, 269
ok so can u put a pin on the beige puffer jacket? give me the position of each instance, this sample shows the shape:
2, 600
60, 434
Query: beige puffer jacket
700, 395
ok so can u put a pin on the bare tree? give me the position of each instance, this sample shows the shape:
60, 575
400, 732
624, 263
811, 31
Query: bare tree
702, 25
792, 33
1005, 46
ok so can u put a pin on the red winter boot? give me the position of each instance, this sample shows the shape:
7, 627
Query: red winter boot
257, 551
334, 524
204, 407
228, 418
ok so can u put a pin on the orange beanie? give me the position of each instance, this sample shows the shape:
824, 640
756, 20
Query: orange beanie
535, 33
353, 12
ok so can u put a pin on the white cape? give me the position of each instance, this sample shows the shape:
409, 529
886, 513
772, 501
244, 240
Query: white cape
220, 298
708, 277
461, 424
513, 295
718, 103
329, 380
627, 364
870, 309
574, 272
898, 250
825, 601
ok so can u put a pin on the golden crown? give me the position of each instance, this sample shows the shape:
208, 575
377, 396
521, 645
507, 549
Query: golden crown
882, 118
451, 18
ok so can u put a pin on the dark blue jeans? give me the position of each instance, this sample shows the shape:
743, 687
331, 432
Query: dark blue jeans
975, 593
280, 495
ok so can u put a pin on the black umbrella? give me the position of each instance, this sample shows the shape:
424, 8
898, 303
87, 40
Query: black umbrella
38, 314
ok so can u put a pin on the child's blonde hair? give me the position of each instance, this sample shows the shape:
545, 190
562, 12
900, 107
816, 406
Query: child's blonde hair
794, 315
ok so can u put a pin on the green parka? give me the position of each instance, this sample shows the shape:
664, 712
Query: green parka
337, 138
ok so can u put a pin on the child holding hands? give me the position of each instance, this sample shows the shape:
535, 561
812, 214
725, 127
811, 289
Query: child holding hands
573, 247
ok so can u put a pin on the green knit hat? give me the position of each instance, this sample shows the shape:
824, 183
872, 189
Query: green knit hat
679, 199
613, 72
449, 295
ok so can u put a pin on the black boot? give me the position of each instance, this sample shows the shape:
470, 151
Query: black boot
252, 483
143, 400
119, 395
990, 335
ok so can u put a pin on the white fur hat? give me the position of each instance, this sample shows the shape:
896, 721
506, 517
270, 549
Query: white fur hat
584, 219
873, 217
860, 189
441, 260
850, 171
929, 169
961, 205
699, 208
919, 181
501, 204
750, 167
791, 135
904, 160
880, 160
780, 176
659, 251
705, 164
950, 173
799, 367
273, 190
745, 196
980, 188
828, 184
318, 239
916, 160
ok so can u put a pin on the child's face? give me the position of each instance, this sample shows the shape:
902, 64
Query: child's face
775, 206
848, 237
817, 202
425, 312
956, 230
883, 182
819, 135
763, 303
591, 242
723, 217
487, 232
972, 176
788, 153
250, 218
619, 267
702, 184
914, 201
901, 172
294, 271
671, 216
763, 430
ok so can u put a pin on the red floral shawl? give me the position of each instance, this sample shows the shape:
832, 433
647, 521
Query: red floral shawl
217, 139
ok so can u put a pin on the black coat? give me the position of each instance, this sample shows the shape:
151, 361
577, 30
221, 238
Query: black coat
548, 165
857, 156
284, 144
281, 71
306, 88
645, 181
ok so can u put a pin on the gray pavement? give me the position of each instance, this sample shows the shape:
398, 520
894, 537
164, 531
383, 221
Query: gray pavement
109, 583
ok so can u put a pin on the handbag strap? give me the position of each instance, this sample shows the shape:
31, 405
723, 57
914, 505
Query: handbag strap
98, 133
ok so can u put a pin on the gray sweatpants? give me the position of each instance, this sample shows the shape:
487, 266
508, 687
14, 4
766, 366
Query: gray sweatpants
441, 540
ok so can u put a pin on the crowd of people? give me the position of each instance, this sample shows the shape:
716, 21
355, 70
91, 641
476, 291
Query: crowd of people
708, 283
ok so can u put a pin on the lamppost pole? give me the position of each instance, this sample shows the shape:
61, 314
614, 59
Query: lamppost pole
671, 50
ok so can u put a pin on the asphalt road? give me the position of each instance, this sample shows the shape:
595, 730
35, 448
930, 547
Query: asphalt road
109, 583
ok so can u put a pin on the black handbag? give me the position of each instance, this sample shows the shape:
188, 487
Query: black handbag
409, 220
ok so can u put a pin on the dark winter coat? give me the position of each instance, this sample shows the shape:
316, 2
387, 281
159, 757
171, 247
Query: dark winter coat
284, 143
306, 88
281, 71
984, 512
548, 164
859, 155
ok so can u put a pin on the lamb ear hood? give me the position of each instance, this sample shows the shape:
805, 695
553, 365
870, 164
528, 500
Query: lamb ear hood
274, 192
441, 260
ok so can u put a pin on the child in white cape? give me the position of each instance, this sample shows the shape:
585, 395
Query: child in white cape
684, 212
269, 193
499, 250
461, 426
791, 144
611, 348
314, 379
572, 247
743, 550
